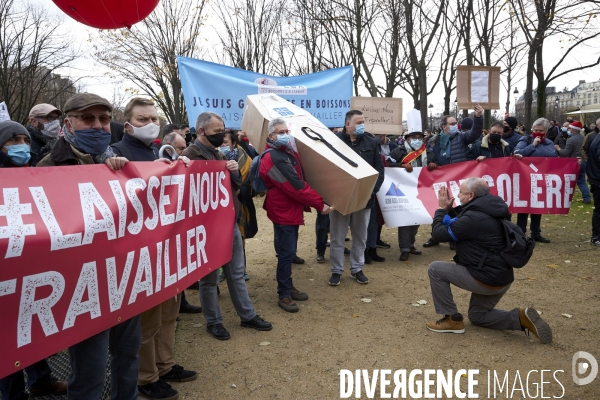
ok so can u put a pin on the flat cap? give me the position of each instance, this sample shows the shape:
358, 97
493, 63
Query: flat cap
42, 110
81, 101
9, 129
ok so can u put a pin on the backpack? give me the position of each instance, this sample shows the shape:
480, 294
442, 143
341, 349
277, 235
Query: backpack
519, 248
257, 183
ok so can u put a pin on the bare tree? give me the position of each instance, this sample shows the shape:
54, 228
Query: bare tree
423, 30
452, 42
147, 54
248, 30
32, 49
543, 19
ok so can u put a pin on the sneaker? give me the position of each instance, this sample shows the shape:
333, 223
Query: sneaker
179, 374
404, 255
595, 241
448, 324
532, 322
374, 256
288, 304
360, 277
218, 331
382, 245
55, 387
334, 280
320, 259
158, 390
298, 260
246, 276
297, 295
257, 323
189, 309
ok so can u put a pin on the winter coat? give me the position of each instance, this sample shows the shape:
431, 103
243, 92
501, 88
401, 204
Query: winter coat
573, 146
478, 231
134, 149
288, 195
560, 141
482, 148
41, 145
587, 142
592, 168
526, 148
63, 153
401, 151
366, 147
459, 144
512, 139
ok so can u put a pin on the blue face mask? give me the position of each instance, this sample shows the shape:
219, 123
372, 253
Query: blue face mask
564, 129
360, 129
19, 154
92, 141
416, 144
282, 140
225, 150
569, 133
453, 129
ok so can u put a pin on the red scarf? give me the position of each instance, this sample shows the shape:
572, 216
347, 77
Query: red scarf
410, 157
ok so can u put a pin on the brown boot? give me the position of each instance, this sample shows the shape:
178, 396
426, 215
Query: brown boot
297, 295
532, 322
448, 324
288, 304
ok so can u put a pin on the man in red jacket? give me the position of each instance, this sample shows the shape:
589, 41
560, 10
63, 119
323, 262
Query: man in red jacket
288, 197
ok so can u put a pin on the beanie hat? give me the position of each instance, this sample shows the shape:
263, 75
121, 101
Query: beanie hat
576, 125
10, 129
466, 123
512, 122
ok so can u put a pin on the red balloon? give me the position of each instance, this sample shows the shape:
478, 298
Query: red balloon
107, 14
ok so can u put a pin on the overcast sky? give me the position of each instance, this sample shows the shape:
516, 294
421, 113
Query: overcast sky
93, 78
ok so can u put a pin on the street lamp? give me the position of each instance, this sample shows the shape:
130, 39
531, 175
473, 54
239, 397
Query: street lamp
430, 117
516, 93
556, 108
456, 108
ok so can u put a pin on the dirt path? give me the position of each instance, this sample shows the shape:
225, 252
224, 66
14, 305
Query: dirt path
336, 330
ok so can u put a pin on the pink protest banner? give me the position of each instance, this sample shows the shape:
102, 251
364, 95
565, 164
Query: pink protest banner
532, 185
83, 248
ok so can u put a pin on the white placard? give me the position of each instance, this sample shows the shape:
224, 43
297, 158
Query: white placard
4, 116
480, 86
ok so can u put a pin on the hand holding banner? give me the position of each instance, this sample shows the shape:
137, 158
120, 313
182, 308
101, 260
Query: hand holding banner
84, 248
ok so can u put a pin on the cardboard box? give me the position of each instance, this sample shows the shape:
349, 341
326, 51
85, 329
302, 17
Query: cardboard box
383, 115
478, 85
345, 187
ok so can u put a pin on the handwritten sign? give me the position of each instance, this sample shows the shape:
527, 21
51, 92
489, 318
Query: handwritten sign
478, 85
4, 116
383, 115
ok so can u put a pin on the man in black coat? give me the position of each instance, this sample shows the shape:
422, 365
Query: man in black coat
477, 229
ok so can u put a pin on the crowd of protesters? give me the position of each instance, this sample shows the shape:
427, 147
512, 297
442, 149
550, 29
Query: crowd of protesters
142, 348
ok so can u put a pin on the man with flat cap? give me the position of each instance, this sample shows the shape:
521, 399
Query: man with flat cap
86, 139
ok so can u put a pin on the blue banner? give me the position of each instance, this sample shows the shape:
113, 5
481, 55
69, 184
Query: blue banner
221, 89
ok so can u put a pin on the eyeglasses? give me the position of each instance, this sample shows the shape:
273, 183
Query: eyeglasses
49, 118
89, 119
452, 123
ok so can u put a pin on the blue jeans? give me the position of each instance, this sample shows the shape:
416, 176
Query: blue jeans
582, 184
287, 238
88, 363
12, 387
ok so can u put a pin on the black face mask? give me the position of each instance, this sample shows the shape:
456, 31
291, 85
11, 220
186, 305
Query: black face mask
215, 139
506, 129
495, 138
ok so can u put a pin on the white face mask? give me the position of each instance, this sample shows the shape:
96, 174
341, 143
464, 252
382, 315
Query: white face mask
146, 133
51, 128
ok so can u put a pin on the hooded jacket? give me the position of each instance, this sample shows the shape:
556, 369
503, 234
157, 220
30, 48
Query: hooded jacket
288, 195
477, 230
366, 147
